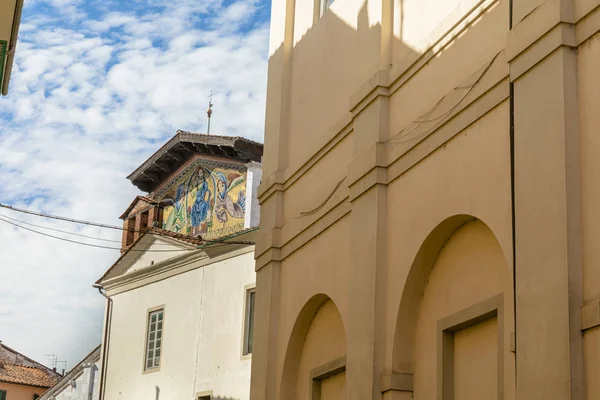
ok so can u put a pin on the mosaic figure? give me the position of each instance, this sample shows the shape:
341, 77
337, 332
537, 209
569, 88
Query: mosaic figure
225, 207
176, 220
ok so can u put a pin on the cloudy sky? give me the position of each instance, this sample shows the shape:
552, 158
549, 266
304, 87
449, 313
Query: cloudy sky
98, 86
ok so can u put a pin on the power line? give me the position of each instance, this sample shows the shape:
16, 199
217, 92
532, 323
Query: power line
83, 243
59, 230
82, 222
75, 221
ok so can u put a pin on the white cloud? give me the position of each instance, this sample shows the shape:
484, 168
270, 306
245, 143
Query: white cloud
86, 106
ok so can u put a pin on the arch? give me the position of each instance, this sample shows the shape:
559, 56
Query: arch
414, 287
297, 340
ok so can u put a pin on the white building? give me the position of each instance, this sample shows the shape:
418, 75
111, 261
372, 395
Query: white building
180, 306
81, 383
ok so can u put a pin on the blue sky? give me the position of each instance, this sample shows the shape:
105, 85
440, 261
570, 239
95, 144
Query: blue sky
97, 86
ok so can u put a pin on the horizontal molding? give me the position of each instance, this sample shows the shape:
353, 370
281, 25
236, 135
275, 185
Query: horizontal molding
536, 25
375, 86
524, 35
380, 83
590, 316
376, 167
561, 35
455, 125
397, 382
168, 268
588, 25
415, 62
294, 241
547, 28
290, 175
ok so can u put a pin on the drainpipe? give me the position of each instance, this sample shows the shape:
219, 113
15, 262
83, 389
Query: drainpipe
105, 341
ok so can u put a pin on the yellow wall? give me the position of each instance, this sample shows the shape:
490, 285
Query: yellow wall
396, 130
588, 77
20, 392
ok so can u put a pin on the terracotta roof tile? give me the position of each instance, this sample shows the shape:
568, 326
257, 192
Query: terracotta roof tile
32, 376
179, 236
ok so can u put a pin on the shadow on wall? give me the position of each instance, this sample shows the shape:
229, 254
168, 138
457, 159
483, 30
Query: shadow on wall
315, 74
319, 76
321, 72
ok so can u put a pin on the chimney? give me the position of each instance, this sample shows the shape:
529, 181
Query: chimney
135, 225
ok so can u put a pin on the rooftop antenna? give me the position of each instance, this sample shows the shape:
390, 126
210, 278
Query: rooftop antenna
53, 360
209, 112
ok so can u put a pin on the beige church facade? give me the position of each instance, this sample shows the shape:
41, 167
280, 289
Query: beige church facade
430, 219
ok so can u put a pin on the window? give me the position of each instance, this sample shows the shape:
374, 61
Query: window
204, 395
2, 394
325, 4
36, 396
154, 339
249, 321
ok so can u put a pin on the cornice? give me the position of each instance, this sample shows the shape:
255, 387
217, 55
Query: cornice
168, 268
381, 164
552, 25
381, 83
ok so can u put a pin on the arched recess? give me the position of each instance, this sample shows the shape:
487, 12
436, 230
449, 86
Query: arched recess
459, 274
314, 365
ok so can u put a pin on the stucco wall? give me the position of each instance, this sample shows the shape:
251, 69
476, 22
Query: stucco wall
390, 125
203, 330
588, 78
20, 392
89, 375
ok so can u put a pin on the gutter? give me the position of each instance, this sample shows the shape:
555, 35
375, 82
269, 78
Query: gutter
12, 46
105, 342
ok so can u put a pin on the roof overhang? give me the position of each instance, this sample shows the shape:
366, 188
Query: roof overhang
196, 256
184, 145
10, 19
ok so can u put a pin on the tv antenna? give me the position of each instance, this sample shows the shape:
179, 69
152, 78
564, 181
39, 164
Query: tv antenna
53, 360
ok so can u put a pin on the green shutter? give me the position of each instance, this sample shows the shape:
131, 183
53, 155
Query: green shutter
2, 394
3, 51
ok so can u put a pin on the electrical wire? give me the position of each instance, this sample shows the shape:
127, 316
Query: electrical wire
75, 221
59, 230
320, 206
397, 139
38, 214
84, 243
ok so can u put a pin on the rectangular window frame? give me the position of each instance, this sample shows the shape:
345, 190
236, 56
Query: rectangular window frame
317, 375
3, 394
208, 395
492, 308
149, 313
249, 308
